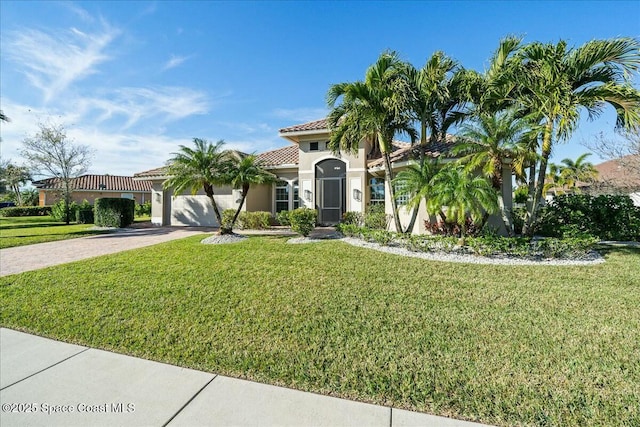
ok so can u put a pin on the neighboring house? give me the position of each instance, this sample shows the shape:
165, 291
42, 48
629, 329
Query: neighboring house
618, 176
91, 187
309, 174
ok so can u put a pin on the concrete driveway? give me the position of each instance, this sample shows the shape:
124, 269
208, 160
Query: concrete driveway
33, 257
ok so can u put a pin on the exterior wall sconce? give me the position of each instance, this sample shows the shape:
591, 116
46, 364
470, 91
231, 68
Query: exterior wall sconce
307, 195
357, 195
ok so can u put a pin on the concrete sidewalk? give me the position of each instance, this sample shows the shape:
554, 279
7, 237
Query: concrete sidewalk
50, 383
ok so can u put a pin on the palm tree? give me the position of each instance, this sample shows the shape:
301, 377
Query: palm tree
244, 172
555, 179
375, 109
554, 83
197, 168
416, 181
578, 171
439, 95
464, 195
488, 143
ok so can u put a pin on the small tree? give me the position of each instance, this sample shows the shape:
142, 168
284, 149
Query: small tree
245, 171
202, 167
14, 177
49, 152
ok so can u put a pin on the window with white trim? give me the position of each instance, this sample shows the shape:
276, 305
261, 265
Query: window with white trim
401, 199
296, 195
376, 188
282, 196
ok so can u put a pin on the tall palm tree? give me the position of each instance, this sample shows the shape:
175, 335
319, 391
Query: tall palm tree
201, 167
244, 172
555, 82
376, 109
465, 195
488, 143
439, 95
416, 182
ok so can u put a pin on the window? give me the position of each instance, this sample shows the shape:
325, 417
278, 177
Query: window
282, 196
403, 199
296, 195
126, 195
376, 186
313, 146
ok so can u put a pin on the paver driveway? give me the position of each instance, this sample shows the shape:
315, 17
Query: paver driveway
32, 257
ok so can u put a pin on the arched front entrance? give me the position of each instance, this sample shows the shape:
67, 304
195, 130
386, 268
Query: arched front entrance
331, 197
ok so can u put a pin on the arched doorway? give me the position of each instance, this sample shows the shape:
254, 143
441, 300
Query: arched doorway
330, 190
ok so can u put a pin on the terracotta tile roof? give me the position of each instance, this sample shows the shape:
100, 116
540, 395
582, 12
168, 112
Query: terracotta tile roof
403, 151
617, 172
97, 183
282, 156
151, 173
315, 125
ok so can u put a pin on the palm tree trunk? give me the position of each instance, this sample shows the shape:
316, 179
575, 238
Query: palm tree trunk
208, 189
527, 230
423, 146
245, 191
392, 193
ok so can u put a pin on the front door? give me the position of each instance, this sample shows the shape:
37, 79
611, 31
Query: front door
330, 190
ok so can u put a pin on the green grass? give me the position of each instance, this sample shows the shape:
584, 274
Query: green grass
505, 345
27, 230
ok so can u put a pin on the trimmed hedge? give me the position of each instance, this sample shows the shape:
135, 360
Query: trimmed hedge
84, 216
25, 211
114, 212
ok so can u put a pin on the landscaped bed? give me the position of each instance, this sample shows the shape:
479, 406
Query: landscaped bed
506, 345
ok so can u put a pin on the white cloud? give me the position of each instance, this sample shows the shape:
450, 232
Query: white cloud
53, 61
174, 61
300, 114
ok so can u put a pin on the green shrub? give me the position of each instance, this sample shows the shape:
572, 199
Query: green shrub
303, 220
352, 218
375, 218
259, 220
58, 211
143, 209
25, 211
608, 217
227, 217
84, 213
283, 218
114, 212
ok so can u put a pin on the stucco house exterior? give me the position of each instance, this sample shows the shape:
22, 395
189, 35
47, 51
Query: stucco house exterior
309, 174
91, 187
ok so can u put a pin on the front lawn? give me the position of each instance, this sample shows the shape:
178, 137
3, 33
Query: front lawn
506, 345
27, 230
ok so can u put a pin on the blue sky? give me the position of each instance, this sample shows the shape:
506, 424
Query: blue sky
133, 80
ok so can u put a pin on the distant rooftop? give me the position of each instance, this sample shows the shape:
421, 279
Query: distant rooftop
97, 183
315, 125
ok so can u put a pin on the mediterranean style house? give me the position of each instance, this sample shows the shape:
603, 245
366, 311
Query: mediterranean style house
91, 187
309, 174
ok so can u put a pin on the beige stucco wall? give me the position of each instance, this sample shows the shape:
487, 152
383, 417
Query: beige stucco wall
355, 176
259, 198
